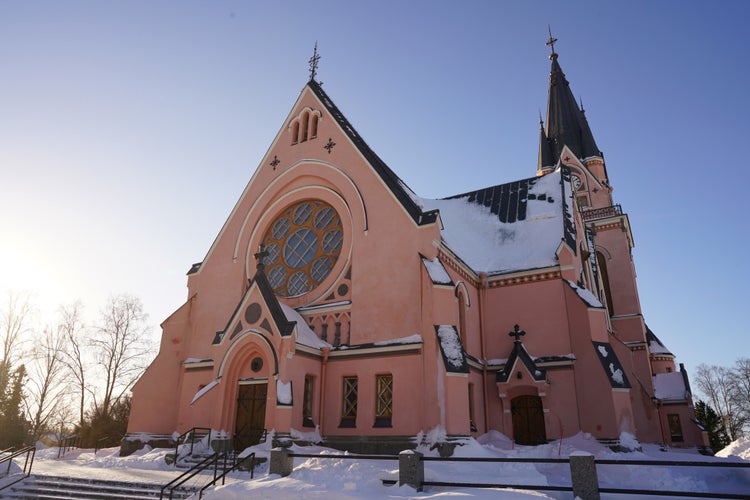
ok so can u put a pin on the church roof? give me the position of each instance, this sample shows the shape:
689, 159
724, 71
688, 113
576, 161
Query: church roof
398, 187
655, 346
509, 227
566, 123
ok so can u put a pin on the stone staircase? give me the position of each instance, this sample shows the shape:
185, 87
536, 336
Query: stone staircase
70, 488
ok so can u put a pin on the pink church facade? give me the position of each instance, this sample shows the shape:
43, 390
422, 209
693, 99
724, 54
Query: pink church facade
337, 304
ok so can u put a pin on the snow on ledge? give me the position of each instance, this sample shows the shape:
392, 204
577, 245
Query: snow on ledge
411, 339
203, 391
586, 295
437, 272
305, 335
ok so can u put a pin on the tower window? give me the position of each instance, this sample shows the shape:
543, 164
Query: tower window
303, 126
314, 127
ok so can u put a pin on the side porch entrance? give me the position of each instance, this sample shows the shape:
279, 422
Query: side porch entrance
528, 420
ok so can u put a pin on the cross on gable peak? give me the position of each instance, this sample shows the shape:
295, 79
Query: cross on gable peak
517, 333
313, 61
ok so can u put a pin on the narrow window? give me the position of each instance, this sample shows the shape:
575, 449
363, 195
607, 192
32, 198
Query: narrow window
600, 259
307, 402
675, 428
462, 318
295, 132
303, 128
314, 127
383, 400
472, 424
349, 403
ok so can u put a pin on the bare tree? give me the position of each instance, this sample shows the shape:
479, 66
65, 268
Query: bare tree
121, 347
74, 331
740, 379
716, 383
44, 389
15, 316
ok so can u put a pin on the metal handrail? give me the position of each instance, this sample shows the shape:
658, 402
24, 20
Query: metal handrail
67, 443
227, 471
30, 452
601, 213
184, 436
190, 473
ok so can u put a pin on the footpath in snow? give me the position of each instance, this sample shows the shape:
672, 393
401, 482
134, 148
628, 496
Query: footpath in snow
331, 478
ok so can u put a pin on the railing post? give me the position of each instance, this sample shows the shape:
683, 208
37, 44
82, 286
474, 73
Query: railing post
281, 463
583, 476
411, 469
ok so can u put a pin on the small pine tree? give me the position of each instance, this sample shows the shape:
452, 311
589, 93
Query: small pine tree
14, 428
712, 422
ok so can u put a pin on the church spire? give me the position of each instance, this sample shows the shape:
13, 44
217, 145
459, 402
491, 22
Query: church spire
566, 122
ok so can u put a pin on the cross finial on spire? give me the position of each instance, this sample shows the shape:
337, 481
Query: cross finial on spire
551, 42
314, 62
517, 333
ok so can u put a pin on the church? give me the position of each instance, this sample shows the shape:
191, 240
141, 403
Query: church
336, 305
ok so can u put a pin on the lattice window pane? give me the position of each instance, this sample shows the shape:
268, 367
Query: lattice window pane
277, 276
384, 401
300, 248
301, 213
323, 218
280, 228
273, 254
320, 268
308, 398
297, 284
332, 241
349, 407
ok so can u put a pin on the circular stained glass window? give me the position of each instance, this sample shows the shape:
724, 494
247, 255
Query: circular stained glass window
303, 244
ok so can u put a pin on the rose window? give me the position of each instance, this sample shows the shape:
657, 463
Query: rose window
303, 245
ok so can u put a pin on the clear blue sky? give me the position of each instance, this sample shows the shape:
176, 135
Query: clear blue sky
129, 129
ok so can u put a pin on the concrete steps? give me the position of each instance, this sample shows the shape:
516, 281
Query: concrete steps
70, 488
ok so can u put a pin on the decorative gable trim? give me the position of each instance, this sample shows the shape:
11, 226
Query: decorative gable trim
519, 353
389, 178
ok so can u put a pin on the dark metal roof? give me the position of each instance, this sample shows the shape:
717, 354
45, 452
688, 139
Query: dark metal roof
394, 183
611, 364
566, 122
656, 346
447, 343
507, 201
510, 202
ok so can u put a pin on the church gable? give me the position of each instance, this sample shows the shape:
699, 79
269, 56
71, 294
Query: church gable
258, 309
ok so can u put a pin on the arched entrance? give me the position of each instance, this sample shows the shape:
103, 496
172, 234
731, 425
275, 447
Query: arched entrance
528, 420
251, 414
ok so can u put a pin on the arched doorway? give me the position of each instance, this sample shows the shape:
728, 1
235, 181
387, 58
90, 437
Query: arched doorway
251, 414
528, 420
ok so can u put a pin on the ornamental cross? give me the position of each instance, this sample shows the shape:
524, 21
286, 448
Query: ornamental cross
329, 145
517, 333
551, 41
274, 163
262, 254
314, 62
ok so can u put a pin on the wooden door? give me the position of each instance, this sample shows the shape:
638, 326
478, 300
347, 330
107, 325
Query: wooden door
251, 415
528, 420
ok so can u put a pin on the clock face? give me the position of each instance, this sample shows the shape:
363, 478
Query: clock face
576, 182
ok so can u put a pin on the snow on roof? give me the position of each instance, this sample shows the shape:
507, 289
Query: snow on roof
190, 361
204, 390
437, 272
474, 229
669, 386
586, 295
450, 346
411, 339
655, 345
305, 335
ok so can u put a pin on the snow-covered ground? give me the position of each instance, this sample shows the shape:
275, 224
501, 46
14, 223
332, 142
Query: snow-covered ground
339, 479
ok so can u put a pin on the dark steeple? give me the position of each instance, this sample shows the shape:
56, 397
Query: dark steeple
566, 122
